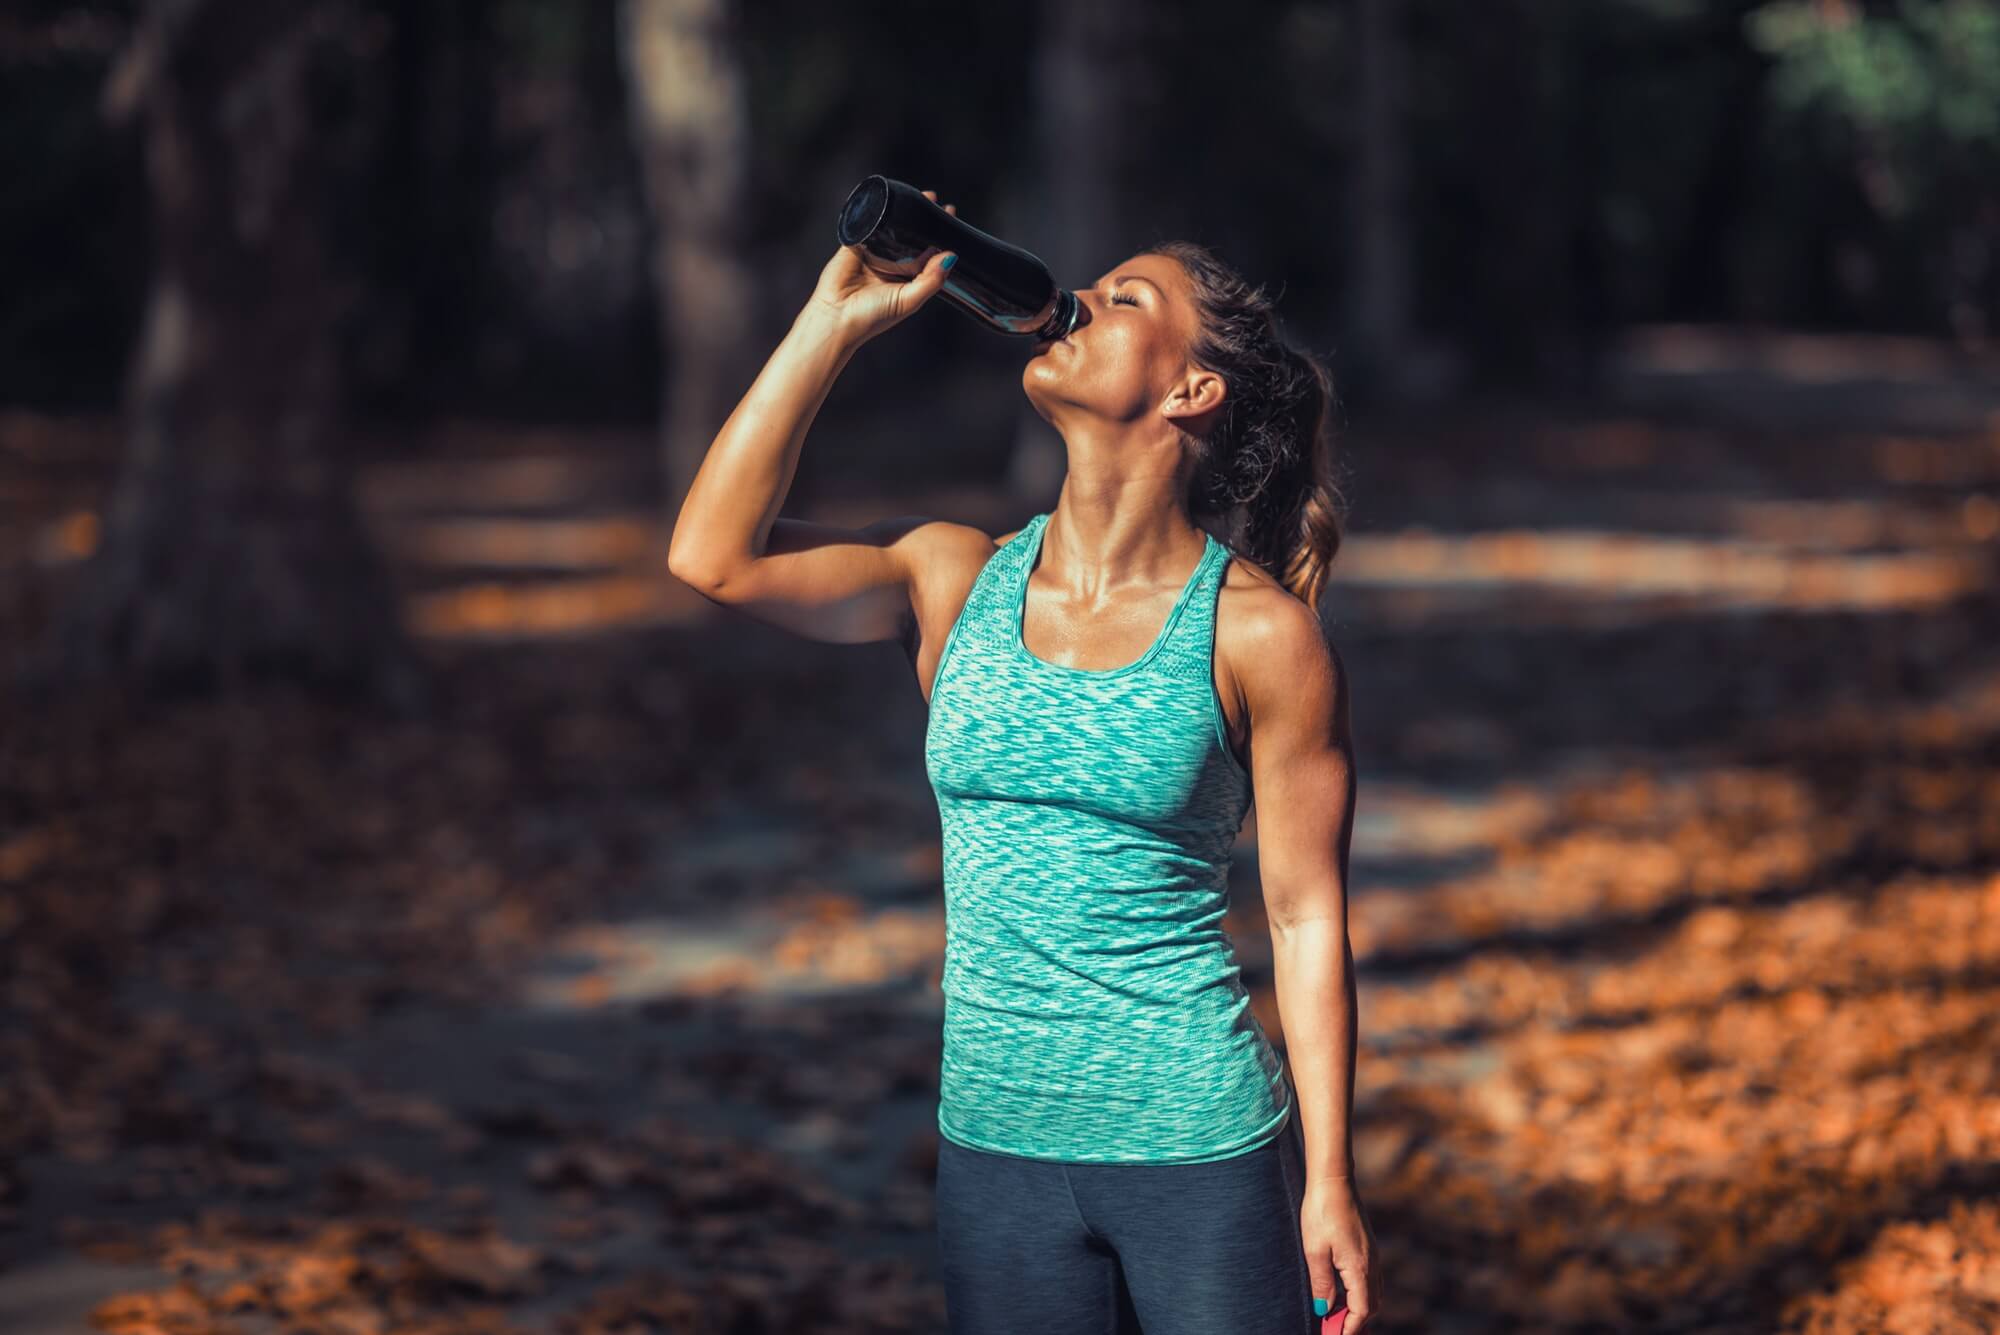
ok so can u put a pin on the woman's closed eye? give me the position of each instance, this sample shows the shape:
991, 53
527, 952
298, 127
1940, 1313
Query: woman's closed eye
1124, 298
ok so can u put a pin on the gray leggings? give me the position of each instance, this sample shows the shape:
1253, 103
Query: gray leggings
1034, 1245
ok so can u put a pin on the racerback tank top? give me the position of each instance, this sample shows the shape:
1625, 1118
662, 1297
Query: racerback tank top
1094, 1008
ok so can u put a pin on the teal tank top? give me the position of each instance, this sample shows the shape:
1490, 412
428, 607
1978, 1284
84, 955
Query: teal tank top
1094, 1010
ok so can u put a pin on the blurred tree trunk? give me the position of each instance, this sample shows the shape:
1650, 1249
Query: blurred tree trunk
232, 542
690, 122
440, 167
1701, 283
1091, 76
1518, 296
1379, 261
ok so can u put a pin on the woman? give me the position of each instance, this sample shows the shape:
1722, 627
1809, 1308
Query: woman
1120, 1148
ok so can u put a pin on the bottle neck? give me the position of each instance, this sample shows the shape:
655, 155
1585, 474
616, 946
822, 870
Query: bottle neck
1062, 316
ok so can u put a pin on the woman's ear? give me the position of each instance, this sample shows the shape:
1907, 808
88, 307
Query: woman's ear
1198, 394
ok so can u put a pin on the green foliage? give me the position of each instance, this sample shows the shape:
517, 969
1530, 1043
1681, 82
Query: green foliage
1918, 82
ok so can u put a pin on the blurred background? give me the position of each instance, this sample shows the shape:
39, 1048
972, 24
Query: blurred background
419, 912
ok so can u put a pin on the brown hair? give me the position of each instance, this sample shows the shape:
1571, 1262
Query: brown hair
1271, 451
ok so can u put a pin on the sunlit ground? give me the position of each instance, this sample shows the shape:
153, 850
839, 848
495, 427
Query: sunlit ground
608, 573
495, 550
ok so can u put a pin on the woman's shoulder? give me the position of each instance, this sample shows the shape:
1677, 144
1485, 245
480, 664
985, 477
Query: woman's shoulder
947, 558
945, 544
1253, 595
1262, 625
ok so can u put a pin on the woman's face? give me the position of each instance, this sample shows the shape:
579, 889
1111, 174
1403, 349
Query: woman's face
1126, 360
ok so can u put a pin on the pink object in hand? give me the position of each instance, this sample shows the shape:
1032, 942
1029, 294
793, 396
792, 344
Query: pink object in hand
1333, 1322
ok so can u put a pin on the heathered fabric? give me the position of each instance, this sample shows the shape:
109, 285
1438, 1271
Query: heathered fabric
1094, 1008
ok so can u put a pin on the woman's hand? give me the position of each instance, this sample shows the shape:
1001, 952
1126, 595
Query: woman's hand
1337, 1238
862, 303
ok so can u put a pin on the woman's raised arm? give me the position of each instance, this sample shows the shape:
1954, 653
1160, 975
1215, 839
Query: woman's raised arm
728, 543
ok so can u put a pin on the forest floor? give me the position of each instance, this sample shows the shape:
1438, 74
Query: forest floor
605, 997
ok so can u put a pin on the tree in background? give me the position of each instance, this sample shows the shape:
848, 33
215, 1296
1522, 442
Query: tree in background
691, 126
1538, 179
1091, 78
232, 542
1379, 311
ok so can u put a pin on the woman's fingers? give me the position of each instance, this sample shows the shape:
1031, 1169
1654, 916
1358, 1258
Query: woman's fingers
952, 209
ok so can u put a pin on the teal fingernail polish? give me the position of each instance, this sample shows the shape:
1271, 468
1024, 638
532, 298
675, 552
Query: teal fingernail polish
1319, 1307
948, 261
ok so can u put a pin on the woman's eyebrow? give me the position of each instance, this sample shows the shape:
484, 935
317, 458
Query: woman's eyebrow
1134, 278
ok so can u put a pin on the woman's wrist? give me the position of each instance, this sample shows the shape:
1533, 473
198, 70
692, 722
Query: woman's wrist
818, 322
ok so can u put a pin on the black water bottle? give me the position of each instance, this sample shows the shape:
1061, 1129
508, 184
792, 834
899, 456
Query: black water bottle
1002, 286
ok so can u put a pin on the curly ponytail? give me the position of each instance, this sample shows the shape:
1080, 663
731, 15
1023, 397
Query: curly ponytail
1271, 452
